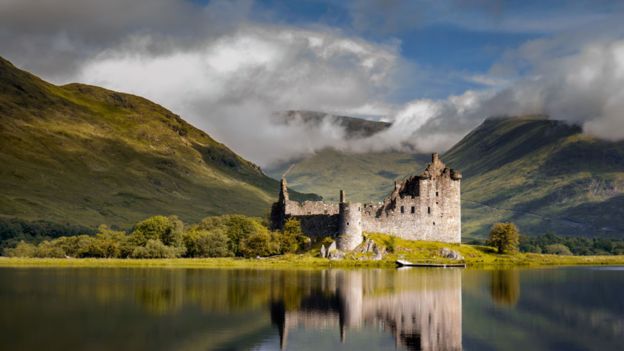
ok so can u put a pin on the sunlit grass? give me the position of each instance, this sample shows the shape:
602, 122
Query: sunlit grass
414, 251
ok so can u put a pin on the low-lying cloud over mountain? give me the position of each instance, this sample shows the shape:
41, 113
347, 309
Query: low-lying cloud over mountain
228, 66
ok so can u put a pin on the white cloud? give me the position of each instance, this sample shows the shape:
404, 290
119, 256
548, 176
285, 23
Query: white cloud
232, 85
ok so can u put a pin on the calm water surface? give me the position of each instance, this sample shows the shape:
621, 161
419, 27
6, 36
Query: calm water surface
578, 308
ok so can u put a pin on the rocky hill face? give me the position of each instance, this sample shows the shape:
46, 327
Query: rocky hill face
85, 155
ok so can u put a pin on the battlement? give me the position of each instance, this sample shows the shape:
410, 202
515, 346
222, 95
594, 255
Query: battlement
421, 207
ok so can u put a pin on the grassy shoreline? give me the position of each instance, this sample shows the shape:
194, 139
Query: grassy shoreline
302, 262
415, 251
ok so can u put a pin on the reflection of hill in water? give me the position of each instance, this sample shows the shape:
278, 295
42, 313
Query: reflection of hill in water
422, 311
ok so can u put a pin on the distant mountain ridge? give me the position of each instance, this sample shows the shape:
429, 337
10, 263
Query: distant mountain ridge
85, 155
354, 127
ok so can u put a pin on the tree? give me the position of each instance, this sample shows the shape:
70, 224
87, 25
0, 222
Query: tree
48, 249
505, 237
236, 227
260, 243
292, 238
557, 249
166, 229
207, 243
22, 249
155, 248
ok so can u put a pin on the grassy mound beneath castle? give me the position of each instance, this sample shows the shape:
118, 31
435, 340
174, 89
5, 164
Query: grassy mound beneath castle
477, 255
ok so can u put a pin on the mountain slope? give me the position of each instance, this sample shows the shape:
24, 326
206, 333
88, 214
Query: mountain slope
545, 175
86, 155
364, 177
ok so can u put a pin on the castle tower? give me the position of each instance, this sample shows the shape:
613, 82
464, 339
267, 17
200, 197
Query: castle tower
278, 209
349, 224
283, 195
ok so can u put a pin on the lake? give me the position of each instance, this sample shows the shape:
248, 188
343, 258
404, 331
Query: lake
571, 308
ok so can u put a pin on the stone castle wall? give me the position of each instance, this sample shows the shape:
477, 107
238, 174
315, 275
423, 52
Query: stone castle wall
317, 218
422, 207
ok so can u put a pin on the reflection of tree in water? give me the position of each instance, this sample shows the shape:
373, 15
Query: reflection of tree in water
166, 291
160, 293
505, 287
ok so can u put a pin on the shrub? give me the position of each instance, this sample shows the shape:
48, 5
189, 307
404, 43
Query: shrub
557, 249
207, 243
166, 229
292, 238
48, 249
505, 237
236, 227
155, 248
77, 246
261, 243
22, 249
113, 243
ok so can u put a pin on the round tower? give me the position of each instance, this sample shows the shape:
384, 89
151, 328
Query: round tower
350, 224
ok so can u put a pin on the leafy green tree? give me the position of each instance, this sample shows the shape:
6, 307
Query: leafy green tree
22, 249
292, 238
112, 243
168, 230
48, 249
505, 237
207, 243
557, 249
77, 246
236, 227
155, 248
260, 243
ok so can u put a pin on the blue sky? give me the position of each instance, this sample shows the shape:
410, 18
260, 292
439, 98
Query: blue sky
442, 36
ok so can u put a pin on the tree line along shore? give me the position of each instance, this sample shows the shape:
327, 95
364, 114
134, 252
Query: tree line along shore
242, 241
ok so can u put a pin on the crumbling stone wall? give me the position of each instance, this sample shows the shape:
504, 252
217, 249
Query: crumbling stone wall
317, 218
422, 207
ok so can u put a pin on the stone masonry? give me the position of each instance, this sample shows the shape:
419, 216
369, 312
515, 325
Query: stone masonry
421, 207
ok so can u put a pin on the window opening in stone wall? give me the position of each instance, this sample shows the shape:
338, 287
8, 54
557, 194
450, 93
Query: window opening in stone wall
428, 210
413, 209
347, 223
433, 223
436, 193
402, 209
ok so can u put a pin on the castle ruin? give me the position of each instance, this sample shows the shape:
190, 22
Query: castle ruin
421, 207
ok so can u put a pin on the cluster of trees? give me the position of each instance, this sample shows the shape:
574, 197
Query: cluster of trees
168, 237
507, 239
571, 245
13, 230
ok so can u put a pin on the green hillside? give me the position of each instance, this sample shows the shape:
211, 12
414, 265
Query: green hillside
85, 155
545, 175
364, 177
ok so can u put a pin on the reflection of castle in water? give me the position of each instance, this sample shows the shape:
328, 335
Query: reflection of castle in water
422, 310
